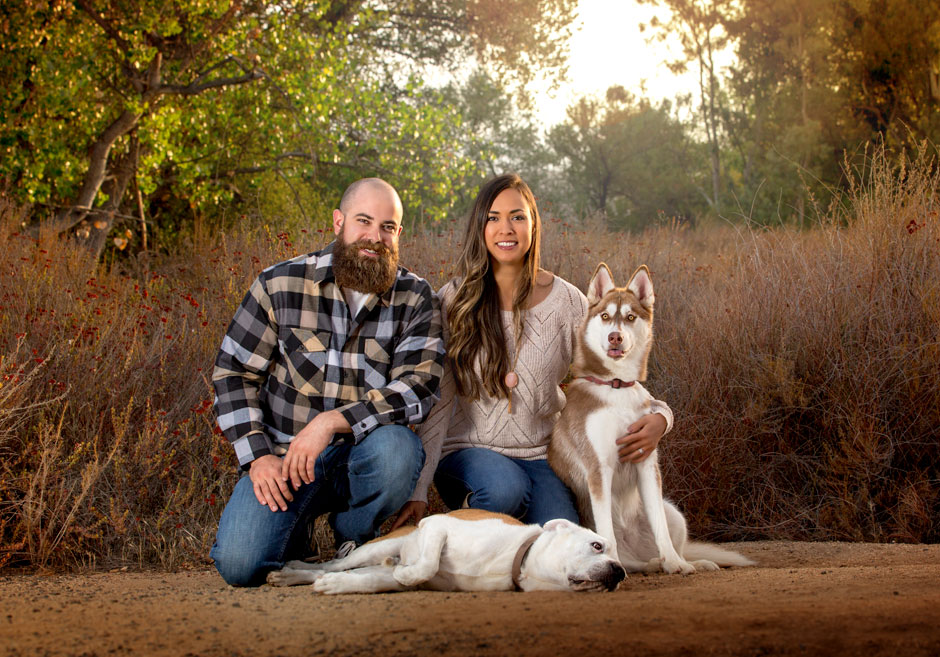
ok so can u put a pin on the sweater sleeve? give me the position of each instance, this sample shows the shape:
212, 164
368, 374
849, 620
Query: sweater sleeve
434, 428
661, 407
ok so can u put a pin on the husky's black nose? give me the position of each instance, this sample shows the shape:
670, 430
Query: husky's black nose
614, 576
615, 338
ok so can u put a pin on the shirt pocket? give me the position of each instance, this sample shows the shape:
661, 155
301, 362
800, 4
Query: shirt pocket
306, 353
378, 359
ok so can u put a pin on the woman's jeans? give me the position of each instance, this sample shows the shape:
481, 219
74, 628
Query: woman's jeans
362, 485
484, 479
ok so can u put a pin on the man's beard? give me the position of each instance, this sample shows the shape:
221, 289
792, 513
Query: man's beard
362, 273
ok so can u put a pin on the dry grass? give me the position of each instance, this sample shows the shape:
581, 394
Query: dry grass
803, 367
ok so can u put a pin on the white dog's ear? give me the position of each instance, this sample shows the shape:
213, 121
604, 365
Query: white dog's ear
601, 283
642, 286
558, 523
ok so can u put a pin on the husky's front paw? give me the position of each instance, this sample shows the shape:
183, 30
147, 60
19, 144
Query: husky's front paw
704, 565
681, 566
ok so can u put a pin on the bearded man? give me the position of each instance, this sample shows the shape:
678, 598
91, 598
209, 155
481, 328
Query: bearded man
328, 359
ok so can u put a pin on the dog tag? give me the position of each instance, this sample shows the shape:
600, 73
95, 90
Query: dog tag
511, 380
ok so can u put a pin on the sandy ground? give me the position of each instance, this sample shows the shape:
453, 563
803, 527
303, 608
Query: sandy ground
803, 599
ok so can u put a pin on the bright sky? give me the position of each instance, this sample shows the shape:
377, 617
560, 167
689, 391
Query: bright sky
609, 49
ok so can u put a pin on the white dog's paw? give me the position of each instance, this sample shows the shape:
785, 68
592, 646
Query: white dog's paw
332, 584
704, 565
292, 577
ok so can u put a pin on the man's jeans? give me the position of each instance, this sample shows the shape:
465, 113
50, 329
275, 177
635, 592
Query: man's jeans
363, 484
527, 490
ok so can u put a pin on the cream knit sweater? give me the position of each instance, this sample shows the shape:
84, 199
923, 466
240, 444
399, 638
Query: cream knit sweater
547, 349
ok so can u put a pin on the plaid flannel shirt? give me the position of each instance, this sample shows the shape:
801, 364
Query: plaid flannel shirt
293, 351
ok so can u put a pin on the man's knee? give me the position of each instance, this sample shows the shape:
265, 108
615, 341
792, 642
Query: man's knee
392, 453
239, 567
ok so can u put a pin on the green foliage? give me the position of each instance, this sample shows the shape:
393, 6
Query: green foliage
630, 160
199, 100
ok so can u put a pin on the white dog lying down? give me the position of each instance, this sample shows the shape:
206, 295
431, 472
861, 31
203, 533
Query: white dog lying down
467, 550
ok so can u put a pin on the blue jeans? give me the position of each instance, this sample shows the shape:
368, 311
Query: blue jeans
527, 490
362, 485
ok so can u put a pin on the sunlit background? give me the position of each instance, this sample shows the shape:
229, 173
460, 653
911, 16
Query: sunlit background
608, 48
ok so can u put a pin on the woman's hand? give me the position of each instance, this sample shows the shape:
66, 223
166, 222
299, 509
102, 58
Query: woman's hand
413, 509
642, 438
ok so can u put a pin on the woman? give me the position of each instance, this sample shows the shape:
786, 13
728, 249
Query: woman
509, 328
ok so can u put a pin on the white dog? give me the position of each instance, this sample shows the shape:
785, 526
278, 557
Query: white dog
467, 550
622, 501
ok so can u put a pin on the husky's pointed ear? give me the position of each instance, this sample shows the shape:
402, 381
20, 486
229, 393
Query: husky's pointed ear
558, 523
642, 286
601, 283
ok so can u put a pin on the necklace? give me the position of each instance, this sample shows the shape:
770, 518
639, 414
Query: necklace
512, 379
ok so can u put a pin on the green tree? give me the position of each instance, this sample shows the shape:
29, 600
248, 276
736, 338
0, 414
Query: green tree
700, 27
630, 160
816, 79
208, 98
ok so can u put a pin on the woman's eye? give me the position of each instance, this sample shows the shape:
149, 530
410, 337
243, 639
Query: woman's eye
519, 217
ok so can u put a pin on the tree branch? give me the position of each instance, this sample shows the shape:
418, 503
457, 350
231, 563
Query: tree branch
200, 84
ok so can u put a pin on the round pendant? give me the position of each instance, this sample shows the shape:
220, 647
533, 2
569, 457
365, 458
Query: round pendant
511, 380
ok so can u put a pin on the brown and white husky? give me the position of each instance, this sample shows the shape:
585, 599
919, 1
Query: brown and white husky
623, 502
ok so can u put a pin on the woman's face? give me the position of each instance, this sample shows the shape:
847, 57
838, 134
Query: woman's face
508, 230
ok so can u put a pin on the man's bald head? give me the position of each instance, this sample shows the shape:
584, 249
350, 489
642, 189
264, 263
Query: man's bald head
367, 184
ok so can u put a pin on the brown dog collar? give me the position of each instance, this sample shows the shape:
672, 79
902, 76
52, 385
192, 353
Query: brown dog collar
614, 383
520, 557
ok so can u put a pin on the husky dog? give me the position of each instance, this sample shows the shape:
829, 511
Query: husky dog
467, 550
623, 502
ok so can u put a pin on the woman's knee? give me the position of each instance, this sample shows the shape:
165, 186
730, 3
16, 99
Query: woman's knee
491, 482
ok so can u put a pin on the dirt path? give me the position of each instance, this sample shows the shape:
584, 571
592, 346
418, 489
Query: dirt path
803, 599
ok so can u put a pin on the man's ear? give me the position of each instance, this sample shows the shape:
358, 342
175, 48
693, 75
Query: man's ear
338, 219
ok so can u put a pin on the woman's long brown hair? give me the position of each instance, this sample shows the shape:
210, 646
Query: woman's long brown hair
476, 329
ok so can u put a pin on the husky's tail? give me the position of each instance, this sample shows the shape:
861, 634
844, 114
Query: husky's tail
695, 550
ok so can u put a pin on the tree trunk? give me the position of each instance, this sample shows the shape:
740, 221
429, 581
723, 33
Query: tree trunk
123, 168
95, 175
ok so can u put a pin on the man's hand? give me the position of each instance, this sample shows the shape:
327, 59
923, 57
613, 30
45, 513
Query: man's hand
642, 438
413, 509
270, 487
301, 459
